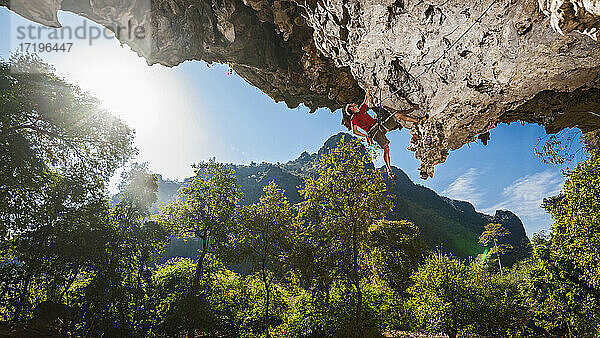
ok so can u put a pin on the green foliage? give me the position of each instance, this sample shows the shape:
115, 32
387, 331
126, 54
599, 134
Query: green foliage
576, 212
395, 251
51, 133
113, 297
235, 306
494, 233
308, 316
168, 296
97, 263
58, 148
346, 196
252, 306
57, 123
138, 189
338, 207
345, 192
561, 301
561, 286
503, 309
264, 232
335, 268
206, 211
445, 295
559, 148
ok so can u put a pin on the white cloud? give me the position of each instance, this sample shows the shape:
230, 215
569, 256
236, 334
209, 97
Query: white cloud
463, 188
525, 195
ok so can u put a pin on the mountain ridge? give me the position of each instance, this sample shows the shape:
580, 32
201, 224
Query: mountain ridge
450, 225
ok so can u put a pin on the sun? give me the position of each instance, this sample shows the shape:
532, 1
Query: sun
152, 100
125, 84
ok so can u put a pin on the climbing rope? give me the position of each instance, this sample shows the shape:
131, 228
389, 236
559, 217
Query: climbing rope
379, 112
441, 56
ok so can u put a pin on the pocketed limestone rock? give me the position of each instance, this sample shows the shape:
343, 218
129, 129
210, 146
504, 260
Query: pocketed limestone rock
532, 61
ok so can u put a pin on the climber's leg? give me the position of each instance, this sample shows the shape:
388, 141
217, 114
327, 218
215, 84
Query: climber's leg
378, 134
402, 116
386, 158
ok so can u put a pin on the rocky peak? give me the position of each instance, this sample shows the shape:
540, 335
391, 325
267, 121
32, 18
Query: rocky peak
510, 221
517, 238
304, 156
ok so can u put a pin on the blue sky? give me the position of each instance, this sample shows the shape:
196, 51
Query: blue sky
192, 112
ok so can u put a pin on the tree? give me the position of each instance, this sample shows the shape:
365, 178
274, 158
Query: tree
118, 279
339, 206
576, 213
58, 148
49, 126
445, 295
493, 233
564, 283
562, 147
168, 296
395, 251
560, 302
206, 211
263, 236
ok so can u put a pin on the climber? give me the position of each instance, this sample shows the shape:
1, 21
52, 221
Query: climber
355, 117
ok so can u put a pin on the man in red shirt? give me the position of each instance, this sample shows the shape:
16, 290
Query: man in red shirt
356, 117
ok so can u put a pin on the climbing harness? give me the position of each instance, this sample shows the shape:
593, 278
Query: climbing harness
439, 57
386, 117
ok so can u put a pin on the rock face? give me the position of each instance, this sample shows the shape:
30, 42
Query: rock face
525, 60
580, 15
450, 225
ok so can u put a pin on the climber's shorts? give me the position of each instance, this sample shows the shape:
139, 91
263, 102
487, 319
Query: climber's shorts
391, 123
388, 119
377, 133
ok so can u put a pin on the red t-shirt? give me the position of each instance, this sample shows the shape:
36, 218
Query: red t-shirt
362, 119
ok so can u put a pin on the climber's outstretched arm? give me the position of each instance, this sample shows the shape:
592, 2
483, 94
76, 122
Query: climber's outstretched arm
368, 101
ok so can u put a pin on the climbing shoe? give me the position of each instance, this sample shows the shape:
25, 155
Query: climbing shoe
391, 175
